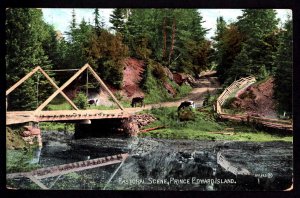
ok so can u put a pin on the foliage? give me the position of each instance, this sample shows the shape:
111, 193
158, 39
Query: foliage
56, 126
81, 101
159, 72
19, 161
174, 37
186, 114
117, 19
283, 89
99, 23
251, 46
256, 25
14, 139
182, 90
26, 34
202, 126
105, 53
228, 46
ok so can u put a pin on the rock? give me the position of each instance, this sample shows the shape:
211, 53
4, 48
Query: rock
130, 127
143, 119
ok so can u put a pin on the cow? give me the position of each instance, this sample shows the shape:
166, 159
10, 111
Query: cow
93, 101
186, 104
137, 100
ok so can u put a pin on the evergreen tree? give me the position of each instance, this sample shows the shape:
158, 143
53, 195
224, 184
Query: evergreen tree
228, 46
117, 19
78, 44
169, 34
255, 24
26, 34
284, 74
105, 53
99, 24
73, 22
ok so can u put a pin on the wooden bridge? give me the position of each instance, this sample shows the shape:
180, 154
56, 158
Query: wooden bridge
39, 115
266, 122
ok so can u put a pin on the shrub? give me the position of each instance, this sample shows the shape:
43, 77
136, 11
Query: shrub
159, 72
81, 101
186, 114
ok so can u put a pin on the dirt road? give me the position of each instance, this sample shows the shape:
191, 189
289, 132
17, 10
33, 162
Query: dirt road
197, 95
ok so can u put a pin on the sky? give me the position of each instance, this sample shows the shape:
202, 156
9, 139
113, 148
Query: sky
61, 17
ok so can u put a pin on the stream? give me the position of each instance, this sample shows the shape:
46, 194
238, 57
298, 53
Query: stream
163, 164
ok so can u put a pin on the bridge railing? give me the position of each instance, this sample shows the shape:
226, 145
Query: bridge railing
232, 88
273, 123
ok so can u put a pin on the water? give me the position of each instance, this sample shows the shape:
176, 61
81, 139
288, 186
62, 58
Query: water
157, 164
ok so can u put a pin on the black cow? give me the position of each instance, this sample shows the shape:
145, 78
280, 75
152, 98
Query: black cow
186, 104
137, 100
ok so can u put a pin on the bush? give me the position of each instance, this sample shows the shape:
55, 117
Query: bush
186, 114
81, 101
159, 72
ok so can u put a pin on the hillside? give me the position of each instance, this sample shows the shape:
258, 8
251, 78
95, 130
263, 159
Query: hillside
132, 76
257, 99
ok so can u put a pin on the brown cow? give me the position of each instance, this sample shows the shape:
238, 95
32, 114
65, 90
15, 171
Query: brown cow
137, 100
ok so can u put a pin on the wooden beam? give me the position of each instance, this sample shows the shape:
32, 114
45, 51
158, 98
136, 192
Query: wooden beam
62, 93
37, 182
22, 80
105, 87
61, 88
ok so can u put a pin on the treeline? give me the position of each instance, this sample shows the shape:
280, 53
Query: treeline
162, 38
256, 45
172, 38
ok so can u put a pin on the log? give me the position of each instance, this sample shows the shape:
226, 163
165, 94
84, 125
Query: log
223, 133
152, 129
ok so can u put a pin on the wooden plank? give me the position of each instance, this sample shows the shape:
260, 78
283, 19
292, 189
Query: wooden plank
22, 80
71, 167
61, 92
57, 173
36, 181
78, 166
61, 88
105, 87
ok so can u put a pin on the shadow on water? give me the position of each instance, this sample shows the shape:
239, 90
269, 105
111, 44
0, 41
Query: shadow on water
158, 164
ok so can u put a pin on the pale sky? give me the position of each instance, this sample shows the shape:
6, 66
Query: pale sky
61, 17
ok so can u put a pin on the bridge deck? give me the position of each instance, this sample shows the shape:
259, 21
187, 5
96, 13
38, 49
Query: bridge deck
15, 117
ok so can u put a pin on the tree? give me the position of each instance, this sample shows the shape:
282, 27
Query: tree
284, 74
73, 22
99, 23
26, 34
256, 24
105, 53
117, 19
173, 37
228, 46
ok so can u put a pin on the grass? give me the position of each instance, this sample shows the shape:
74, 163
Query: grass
19, 161
202, 126
56, 126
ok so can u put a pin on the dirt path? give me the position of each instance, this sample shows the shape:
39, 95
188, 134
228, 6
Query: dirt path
196, 95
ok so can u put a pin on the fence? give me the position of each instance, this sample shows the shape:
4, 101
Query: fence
232, 88
271, 123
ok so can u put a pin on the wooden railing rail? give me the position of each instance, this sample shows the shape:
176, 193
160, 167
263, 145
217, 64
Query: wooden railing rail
274, 123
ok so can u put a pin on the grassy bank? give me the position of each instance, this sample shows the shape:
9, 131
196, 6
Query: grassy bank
56, 126
202, 126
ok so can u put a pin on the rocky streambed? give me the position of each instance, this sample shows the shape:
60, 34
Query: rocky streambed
161, 164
